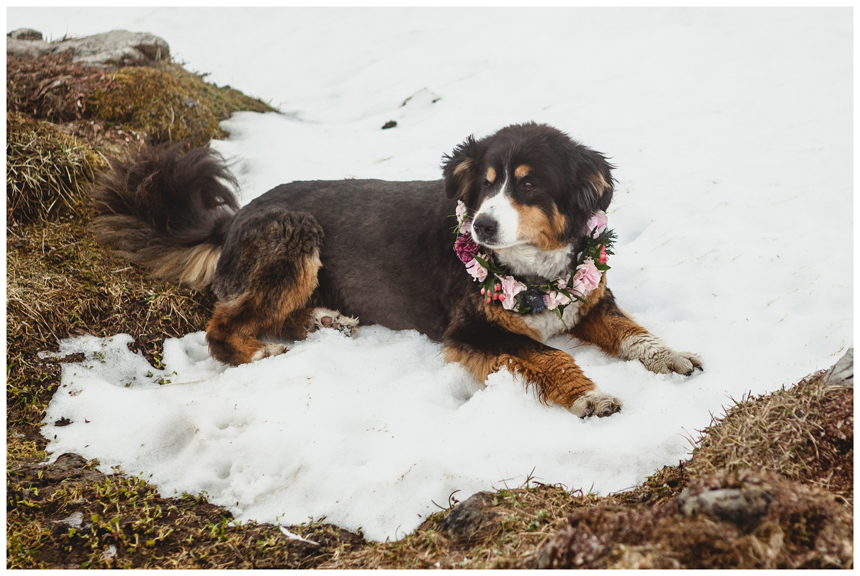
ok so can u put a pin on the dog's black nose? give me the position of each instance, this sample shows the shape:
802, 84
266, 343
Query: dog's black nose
485, 227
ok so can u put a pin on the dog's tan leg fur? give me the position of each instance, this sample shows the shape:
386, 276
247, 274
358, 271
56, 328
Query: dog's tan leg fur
234, 330
555, 374
613, 331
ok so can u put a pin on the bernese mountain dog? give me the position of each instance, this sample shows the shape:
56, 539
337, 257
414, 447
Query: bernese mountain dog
323, 254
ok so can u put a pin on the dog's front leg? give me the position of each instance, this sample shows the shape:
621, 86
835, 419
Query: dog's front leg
484, 349
603, 323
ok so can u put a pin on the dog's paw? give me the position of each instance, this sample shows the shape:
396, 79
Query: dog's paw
659, 358
596, 403
684, 363
269, 350
325, 318
668, 361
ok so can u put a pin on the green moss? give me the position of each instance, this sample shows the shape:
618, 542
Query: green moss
169, 104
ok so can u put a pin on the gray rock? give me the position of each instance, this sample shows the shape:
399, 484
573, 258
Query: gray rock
108, 50
25, 34
470, 518
841, 375
23, 48
733, 504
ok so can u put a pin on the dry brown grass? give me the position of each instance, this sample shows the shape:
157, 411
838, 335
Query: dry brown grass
804, 433
47, 171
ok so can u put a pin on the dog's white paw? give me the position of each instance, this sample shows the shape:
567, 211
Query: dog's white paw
269, 350
659, 358
596, 402
325, 318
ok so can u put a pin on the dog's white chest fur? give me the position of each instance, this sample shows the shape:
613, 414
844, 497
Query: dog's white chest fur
528, 259
548, 324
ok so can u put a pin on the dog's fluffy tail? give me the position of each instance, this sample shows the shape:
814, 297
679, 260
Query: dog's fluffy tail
167, 211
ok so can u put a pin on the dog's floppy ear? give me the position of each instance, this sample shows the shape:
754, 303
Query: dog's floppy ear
460, 168
603, 182
595, 181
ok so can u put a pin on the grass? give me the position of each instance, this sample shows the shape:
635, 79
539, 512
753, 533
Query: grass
63, 119
47, 171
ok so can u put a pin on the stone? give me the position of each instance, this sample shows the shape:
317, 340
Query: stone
736, 505
107, 50
25, 34
470, 518
841, 374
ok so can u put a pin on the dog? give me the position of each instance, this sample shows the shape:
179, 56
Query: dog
312, 255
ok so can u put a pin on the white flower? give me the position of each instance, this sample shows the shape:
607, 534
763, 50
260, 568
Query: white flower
461, 211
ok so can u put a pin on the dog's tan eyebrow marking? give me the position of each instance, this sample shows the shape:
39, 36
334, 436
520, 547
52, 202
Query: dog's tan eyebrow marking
491, 174
522, 171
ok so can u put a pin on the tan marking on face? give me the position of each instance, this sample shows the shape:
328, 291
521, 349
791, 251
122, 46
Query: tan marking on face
491, 174
522, 171
538, 229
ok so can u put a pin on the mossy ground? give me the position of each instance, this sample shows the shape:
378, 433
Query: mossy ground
62, 121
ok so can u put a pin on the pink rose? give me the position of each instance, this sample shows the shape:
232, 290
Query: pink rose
562, 281
596, 223
602, 258
586, 278
477, 271
555, 299
510, 288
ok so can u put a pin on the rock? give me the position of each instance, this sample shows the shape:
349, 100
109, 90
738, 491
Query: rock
25, 34
734, 504
111, 49
66, 466
26, 43
841, 375
470, 518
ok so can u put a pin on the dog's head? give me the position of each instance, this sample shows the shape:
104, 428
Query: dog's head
528, 184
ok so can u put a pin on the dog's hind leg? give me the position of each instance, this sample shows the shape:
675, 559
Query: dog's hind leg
264, 281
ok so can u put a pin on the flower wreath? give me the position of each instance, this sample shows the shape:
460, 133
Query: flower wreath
497, 284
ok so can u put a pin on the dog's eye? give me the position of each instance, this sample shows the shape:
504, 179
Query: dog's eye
528, 185
487, 183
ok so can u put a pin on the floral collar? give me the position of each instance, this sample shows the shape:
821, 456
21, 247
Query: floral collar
497, 284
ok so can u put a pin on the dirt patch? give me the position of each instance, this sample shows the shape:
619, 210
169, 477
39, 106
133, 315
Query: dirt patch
69, 515
779, 524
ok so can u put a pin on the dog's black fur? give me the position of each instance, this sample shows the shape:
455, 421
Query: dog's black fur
380, 251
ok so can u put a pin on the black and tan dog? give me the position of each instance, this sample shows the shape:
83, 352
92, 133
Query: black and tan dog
307, 255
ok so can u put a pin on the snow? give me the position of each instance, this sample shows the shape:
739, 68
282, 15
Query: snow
732, 133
